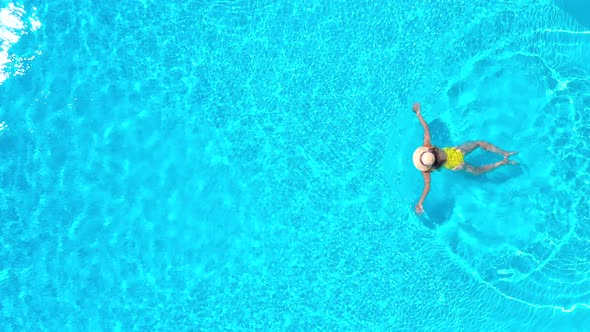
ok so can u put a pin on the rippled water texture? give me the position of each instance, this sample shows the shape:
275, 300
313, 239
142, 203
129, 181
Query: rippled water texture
247, 165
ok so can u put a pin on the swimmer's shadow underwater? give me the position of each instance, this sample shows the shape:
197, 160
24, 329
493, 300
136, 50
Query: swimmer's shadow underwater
439, 208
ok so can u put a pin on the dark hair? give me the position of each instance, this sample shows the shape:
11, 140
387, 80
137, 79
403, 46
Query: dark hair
439, 158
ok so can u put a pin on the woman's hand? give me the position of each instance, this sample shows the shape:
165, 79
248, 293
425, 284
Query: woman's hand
416, 108
419, 209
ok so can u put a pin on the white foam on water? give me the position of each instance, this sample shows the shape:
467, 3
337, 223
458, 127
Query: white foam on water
14, 23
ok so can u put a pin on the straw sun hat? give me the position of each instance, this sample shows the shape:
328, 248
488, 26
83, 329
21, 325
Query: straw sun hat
423, 159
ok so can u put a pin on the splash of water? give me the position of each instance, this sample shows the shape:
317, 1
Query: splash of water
14, 24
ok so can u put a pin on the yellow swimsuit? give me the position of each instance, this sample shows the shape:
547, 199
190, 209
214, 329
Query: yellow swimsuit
454, 157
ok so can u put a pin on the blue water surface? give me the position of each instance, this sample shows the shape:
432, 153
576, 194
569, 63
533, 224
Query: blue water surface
246, 166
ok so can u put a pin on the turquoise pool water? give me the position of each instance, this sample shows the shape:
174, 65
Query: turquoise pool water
246, 166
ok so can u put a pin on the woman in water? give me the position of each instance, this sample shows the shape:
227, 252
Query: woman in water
429, 158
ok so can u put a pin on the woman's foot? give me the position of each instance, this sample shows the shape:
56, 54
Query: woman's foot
508, 154
507, 161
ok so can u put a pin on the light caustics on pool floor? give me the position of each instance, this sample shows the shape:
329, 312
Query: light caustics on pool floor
526, 231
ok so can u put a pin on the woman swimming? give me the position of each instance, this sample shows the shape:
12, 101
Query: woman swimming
429, 158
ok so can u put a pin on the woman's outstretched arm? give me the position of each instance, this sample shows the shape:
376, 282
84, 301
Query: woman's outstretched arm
419, 208
416, 109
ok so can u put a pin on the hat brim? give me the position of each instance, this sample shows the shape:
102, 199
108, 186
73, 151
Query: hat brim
416, 159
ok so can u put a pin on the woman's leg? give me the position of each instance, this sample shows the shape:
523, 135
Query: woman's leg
486, 168
470, 146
